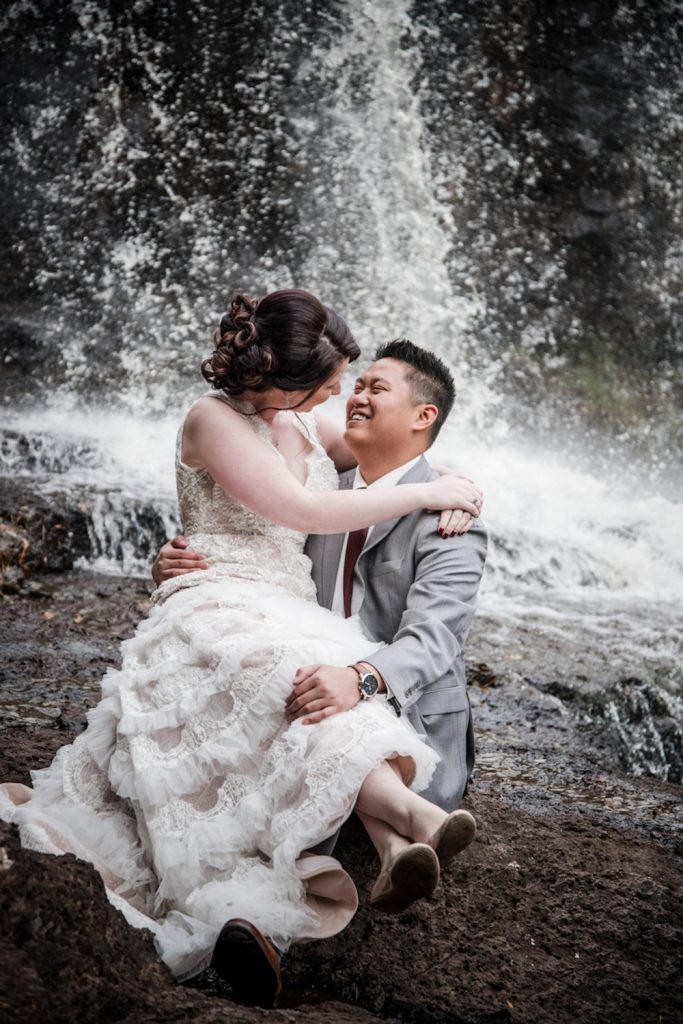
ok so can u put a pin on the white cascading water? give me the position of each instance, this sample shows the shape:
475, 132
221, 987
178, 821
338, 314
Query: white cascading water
582, 554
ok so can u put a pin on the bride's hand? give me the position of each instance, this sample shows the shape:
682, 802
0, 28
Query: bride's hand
453, 494
455, 521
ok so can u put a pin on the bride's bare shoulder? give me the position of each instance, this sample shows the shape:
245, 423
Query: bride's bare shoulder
207, 419
210, 408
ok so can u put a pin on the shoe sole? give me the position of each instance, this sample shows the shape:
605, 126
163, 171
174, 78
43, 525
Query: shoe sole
454, 836
413, 876
242, 957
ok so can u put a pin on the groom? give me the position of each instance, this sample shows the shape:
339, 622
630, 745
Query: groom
413, 587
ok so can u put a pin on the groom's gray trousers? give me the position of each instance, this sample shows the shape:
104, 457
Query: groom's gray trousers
418, 597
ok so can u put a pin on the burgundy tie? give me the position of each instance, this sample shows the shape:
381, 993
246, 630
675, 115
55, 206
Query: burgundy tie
354, 546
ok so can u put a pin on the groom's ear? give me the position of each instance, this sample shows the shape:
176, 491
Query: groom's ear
425, 417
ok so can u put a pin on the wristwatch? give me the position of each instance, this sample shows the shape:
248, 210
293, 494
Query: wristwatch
367, 683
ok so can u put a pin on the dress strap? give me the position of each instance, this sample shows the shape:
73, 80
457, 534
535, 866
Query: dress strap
307, 425
238, 404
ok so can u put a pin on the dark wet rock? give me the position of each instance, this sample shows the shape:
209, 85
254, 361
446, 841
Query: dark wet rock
14, 546
48, 529
54, 914
481, 675
542, 913
578, 689
541, 920
563, 910
626, 713
53, 529
67, 955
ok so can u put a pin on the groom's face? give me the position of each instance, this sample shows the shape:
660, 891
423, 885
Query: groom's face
381, 411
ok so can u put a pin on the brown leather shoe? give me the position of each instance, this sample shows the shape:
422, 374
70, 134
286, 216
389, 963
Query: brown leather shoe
456, 833
411, 875
249, 963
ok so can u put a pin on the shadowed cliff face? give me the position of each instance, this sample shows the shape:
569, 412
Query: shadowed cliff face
146, 158
559, 152
123, 120
161, 153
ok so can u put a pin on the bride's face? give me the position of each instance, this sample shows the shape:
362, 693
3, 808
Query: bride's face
332, 386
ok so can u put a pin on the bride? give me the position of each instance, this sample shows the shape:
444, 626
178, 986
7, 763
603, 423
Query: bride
190, 791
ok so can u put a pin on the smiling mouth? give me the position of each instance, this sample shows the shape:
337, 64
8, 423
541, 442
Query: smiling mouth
358, 417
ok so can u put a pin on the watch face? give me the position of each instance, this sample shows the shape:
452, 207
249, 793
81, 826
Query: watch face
368, 684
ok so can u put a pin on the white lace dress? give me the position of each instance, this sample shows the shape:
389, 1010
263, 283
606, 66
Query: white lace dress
189, 791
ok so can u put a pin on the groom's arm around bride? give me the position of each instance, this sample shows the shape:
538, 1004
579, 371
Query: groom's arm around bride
416, 591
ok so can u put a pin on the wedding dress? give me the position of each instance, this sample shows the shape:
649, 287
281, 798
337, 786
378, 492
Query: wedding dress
189, 791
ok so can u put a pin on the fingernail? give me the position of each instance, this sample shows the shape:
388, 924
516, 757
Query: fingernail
442, 531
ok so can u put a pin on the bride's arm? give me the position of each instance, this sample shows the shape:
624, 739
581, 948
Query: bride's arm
331, 434
218, 439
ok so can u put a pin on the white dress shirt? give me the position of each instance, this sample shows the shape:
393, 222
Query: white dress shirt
388, 480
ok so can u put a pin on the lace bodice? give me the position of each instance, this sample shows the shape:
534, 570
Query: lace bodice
237, 541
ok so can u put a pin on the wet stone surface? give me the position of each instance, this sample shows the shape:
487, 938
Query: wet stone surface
564, 909
605, 679
48, 524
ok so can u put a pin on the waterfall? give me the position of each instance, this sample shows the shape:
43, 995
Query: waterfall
162, 155
387, 236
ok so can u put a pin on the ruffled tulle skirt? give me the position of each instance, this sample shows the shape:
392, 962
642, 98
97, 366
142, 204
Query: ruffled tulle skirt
190, 792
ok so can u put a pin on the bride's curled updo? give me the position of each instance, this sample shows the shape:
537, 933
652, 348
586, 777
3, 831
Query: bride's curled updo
287, 340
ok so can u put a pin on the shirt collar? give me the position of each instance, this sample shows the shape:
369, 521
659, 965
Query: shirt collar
390, 478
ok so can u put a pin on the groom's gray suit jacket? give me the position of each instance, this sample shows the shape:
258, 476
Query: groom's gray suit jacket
418, 596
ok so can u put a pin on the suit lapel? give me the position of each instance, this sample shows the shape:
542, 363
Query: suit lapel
419, 473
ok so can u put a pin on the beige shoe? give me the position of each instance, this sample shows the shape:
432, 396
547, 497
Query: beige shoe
456, 833
411, 875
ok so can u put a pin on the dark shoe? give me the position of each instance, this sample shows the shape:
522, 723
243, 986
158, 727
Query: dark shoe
456, 833
249, 963
411, 875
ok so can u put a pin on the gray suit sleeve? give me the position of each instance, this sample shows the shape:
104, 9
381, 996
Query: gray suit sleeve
439, 609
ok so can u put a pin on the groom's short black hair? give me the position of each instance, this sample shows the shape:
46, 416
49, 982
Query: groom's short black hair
430, 379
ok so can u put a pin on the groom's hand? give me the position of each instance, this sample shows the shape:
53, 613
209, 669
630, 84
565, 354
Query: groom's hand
175, 559
320, 691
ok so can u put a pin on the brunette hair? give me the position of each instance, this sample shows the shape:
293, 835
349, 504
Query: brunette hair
287, 340
430, 379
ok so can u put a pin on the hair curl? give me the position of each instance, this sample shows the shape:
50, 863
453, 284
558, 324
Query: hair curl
287, 340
